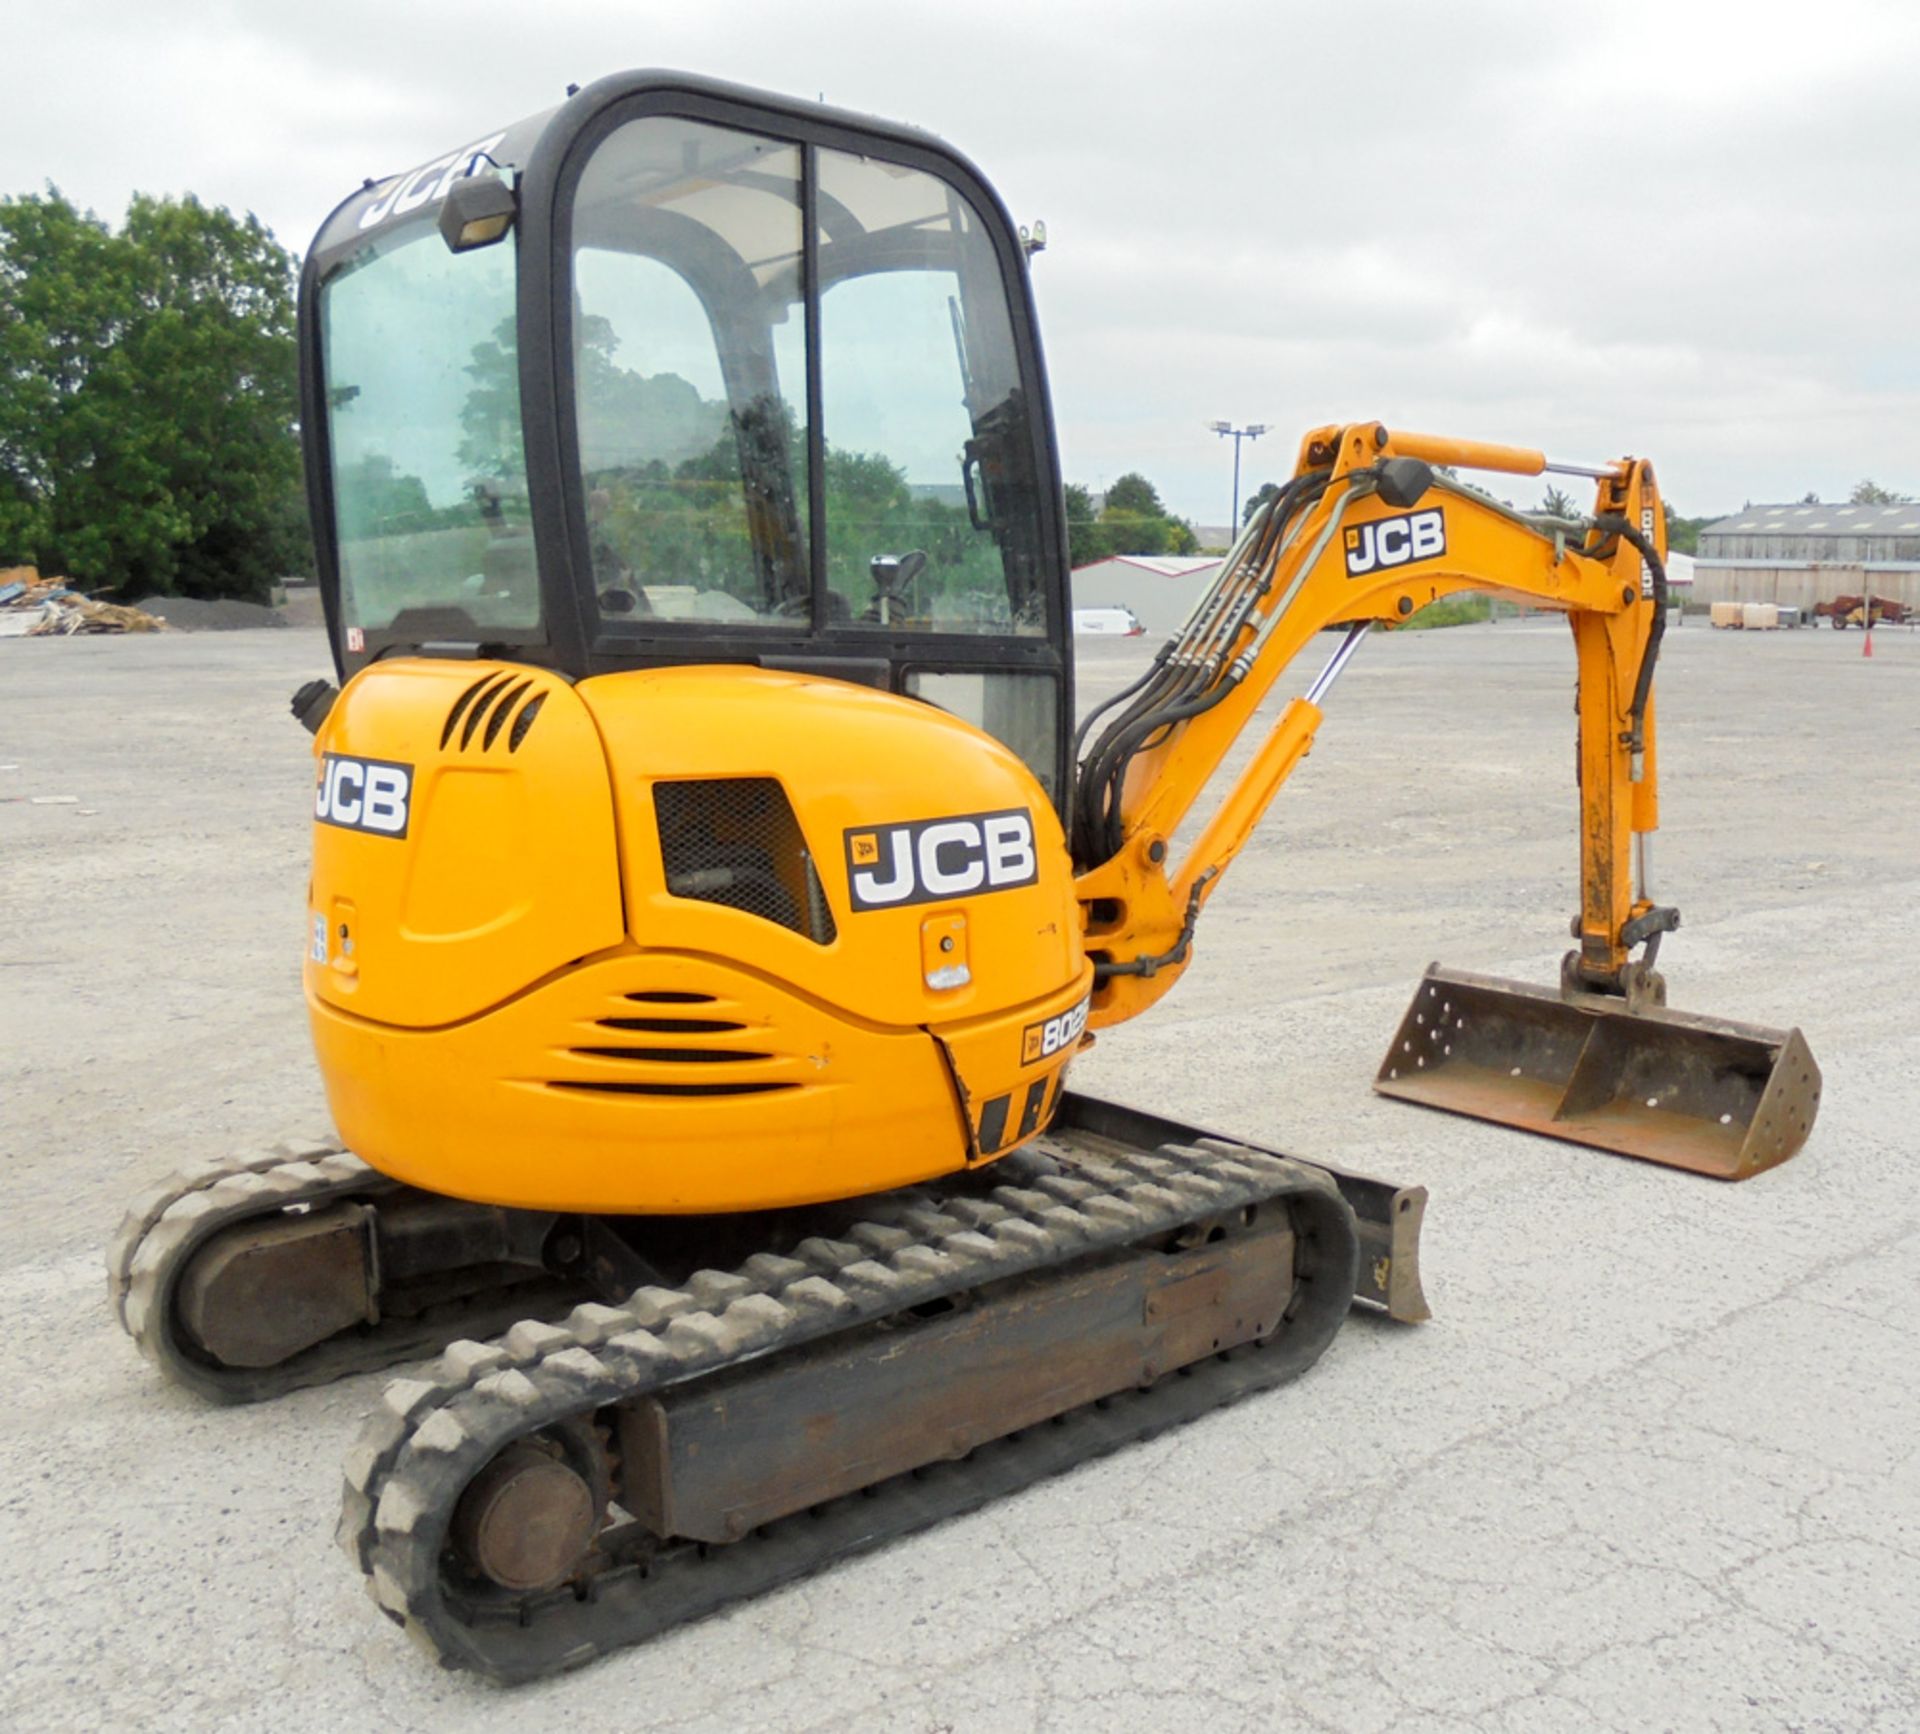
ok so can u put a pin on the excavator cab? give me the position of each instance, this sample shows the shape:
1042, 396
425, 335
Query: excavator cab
681, 374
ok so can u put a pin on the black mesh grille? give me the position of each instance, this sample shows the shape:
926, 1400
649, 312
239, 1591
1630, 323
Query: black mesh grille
735, 841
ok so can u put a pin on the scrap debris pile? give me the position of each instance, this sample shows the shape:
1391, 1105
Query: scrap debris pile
36, 607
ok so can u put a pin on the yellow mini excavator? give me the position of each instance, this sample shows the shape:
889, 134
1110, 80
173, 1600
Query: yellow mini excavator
711, 890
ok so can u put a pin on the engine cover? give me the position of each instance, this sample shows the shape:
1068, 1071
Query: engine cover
689, 939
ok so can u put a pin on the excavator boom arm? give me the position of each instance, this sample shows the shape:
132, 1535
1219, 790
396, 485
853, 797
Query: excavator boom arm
1369, 531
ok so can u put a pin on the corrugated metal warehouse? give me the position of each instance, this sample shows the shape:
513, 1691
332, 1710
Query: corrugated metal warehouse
1160, 589
1803, 554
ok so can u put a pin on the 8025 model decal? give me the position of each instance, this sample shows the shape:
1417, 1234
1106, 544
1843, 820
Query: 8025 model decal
1042, 1041
363, 795
895, 866
1388, 542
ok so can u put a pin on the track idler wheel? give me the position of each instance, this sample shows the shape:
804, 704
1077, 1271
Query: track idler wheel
527, 1521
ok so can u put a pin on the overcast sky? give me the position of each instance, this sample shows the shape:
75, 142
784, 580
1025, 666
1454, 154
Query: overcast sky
1659, 226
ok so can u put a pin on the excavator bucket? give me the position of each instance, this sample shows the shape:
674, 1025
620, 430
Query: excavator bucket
1707, 1094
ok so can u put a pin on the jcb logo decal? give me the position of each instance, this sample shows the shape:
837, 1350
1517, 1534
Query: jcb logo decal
429, 182
363, 795
893, 866
1043, 1040
1388, 542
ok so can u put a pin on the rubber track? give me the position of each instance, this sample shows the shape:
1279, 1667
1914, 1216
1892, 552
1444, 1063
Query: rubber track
159, 1236
428, 1438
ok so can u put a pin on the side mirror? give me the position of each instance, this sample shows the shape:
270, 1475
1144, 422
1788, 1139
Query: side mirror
312, 702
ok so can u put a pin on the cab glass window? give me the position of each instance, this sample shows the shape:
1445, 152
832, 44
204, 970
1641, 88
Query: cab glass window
931, 505
1019, 709
423, 432
690, 375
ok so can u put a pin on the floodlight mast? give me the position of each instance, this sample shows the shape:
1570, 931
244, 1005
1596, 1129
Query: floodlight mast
1226, 430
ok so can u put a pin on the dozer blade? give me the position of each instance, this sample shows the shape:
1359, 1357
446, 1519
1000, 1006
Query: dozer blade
1707, 1094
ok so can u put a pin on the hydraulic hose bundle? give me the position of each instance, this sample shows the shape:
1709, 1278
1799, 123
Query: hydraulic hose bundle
1191, 674
1610, 524
1196, 668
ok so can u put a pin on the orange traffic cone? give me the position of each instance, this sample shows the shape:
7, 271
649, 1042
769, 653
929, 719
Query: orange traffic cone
1867, 648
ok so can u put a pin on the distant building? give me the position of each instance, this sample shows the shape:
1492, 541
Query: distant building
1800, 555
1160, 589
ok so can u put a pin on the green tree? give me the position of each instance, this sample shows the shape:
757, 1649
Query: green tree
1131, 520
148, 397
1135, 496
1133, 533
1268, 491
1089, 540
64, 302
1683, 534
1086, 541
1558, 503
1870, 493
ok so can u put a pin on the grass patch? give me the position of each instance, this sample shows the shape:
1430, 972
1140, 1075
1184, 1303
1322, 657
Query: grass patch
1451, 611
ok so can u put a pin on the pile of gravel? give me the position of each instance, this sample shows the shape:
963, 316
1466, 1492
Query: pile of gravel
189, 614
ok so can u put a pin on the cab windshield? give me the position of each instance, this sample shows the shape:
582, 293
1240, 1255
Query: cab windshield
423, 426
692, 373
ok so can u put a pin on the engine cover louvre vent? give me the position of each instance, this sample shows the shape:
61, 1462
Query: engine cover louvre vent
735, 841
524, 721
611, 1088
673, 1026
624, 1044
477, 711
676, 1056
464, 703
500, 711
483, 708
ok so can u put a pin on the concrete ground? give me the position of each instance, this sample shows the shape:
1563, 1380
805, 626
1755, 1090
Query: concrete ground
1654, 1464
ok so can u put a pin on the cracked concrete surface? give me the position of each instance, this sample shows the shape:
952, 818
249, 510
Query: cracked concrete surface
1655, 1464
